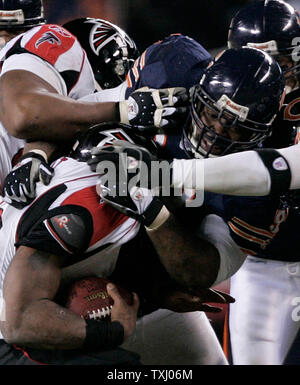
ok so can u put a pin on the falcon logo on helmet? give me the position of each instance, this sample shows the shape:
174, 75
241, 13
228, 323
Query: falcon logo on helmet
102, 33
110, 51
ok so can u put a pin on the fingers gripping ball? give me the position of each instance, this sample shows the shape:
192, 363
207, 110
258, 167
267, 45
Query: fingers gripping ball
88, 298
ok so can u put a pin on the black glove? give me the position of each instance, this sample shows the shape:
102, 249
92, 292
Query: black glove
19, 187
124, 181
148, 109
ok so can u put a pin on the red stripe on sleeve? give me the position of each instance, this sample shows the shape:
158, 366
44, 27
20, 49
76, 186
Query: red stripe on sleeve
105, 218
50, 42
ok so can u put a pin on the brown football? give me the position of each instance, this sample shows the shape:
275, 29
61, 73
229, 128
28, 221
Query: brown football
88, 298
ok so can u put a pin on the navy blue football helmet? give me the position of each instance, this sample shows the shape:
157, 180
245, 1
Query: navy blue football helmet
244, 90
111, 52
270, 25
21, 14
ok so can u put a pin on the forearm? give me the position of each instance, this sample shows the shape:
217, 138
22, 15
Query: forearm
292, 155
52, 117
189, 260
31, 108
46, 149
32, 317
46, 325
243, 173
237, 174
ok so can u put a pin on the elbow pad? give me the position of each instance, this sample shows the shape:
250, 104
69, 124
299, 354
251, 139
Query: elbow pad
278, 168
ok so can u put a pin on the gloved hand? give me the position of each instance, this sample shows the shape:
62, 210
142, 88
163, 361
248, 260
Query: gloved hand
123, 186
19, 187
148, 109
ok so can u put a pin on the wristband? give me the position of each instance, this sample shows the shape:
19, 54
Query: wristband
40, 152
278, 168
123, 112
34, 154
155, 215
103, 335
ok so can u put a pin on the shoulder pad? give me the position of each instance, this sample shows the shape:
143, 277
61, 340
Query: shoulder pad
50, 42
71, 231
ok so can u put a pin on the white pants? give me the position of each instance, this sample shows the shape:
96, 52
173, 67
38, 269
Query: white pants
264, 320
167, 338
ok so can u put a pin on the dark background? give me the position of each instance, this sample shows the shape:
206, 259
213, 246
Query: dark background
150, 20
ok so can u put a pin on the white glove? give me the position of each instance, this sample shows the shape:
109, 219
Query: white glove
148, 107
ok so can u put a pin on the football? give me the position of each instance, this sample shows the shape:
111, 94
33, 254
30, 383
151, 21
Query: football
88, 298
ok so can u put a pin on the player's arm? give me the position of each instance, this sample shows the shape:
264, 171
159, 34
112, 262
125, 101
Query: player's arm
197, 261
31, 108
245, 173
33, 319
189, 260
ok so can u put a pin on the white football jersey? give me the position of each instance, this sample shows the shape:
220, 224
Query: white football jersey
10, 150
48, 224
55, 55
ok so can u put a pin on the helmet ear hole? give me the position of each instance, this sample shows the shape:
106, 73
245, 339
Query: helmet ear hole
109, 49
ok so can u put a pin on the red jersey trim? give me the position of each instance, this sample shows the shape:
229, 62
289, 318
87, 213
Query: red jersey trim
27, 355
105, 218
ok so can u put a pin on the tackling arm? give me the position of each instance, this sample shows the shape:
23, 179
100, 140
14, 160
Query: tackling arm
31, 108
245, 173
190, 261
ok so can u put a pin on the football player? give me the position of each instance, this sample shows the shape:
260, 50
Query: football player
15, 17
228, 115
67, 233
272, 271
254, 223
111, 52
48, 67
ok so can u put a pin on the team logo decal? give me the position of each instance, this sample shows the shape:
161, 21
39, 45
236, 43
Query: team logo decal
49, 37
63, 32
102, 33
288, 115
62, 223
279, 164
112, 135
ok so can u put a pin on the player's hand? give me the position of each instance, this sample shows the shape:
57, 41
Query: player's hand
122, 312
133, 165
19, 187
125, 184
148, 109
182, 300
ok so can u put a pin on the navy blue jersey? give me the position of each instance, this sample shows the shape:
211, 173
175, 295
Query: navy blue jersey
176, 61
266, 227
284, 127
